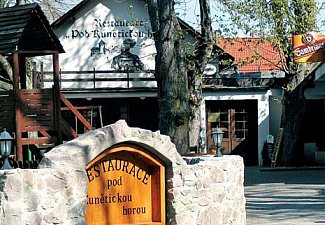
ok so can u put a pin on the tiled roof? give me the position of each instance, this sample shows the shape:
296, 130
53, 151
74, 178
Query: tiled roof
252, 54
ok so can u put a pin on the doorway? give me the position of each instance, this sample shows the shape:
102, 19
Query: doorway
238, 120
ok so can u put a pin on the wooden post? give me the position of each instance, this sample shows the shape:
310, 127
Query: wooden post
18, 113
94, 78
57, 103
42, 75
34, 78
128, 78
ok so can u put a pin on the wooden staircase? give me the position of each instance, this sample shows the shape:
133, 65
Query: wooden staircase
37, 124
36, 117
66, 128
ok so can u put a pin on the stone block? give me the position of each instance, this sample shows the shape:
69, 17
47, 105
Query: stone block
217, 176
177, 181
33, 218
204, 201
186, 191
31, 201
185, 219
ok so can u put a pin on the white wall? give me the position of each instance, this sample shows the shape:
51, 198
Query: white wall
94, 35
110, 22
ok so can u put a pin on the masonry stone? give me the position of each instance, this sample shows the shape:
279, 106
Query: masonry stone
201, 190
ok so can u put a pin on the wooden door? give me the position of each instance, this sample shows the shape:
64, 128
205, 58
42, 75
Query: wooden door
233, 122
219, 118
240, 126
238, 121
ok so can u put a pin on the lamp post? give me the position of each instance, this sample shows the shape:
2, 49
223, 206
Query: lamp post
5, 144
217, 135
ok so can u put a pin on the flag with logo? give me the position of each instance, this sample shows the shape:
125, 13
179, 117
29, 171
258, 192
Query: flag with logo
309, 47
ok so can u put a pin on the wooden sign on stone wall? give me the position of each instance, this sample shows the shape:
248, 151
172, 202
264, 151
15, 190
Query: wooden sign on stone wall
126, 185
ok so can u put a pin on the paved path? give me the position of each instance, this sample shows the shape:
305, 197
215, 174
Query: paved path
295, 197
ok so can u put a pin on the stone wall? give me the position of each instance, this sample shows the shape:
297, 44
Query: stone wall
210, 191
200, 190
39, 197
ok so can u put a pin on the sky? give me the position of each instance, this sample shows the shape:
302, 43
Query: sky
189, 9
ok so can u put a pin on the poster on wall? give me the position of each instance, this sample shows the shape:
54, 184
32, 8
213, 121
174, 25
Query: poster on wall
309, 47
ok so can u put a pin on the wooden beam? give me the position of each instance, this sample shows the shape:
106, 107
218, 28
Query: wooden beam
22, 71
43, 52
41, 140
44, 133
57, 102
76, 113
68, 130
18, 115
81, 108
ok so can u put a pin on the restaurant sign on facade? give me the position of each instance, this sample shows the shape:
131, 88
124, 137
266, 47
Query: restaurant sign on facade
309, 47
126, 185
108, 35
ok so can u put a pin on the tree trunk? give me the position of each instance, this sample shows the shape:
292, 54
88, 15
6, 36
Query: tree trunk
171, 74
293, 111
294, 107
6, 76
195, 90
199, 61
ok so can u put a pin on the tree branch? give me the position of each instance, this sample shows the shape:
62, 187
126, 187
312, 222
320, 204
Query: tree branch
204, 49
5, 65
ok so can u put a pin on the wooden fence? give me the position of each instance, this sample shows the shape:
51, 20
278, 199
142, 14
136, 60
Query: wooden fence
111, 79
97, 79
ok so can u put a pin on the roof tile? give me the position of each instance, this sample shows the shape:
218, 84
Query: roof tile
252, 54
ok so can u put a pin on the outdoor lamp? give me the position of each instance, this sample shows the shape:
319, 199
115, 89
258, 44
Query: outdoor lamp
5, 144
217, 135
